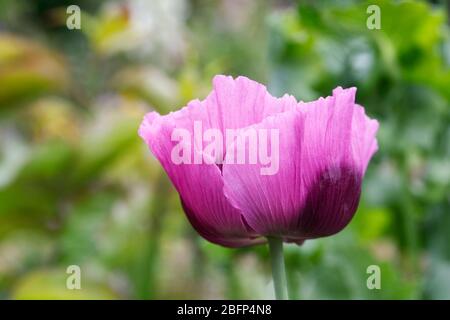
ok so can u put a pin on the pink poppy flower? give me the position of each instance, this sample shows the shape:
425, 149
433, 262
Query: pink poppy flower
318, 153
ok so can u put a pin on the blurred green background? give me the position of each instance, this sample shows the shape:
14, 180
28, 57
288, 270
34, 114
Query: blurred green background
79, 187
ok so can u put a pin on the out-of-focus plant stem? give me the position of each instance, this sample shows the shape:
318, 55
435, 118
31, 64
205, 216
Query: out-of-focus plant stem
292, 275
199, 260
147, 287
233, 285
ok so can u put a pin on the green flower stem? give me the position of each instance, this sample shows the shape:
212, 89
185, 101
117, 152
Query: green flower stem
278, 269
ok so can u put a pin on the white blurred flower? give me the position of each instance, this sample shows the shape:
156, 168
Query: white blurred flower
144, 27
